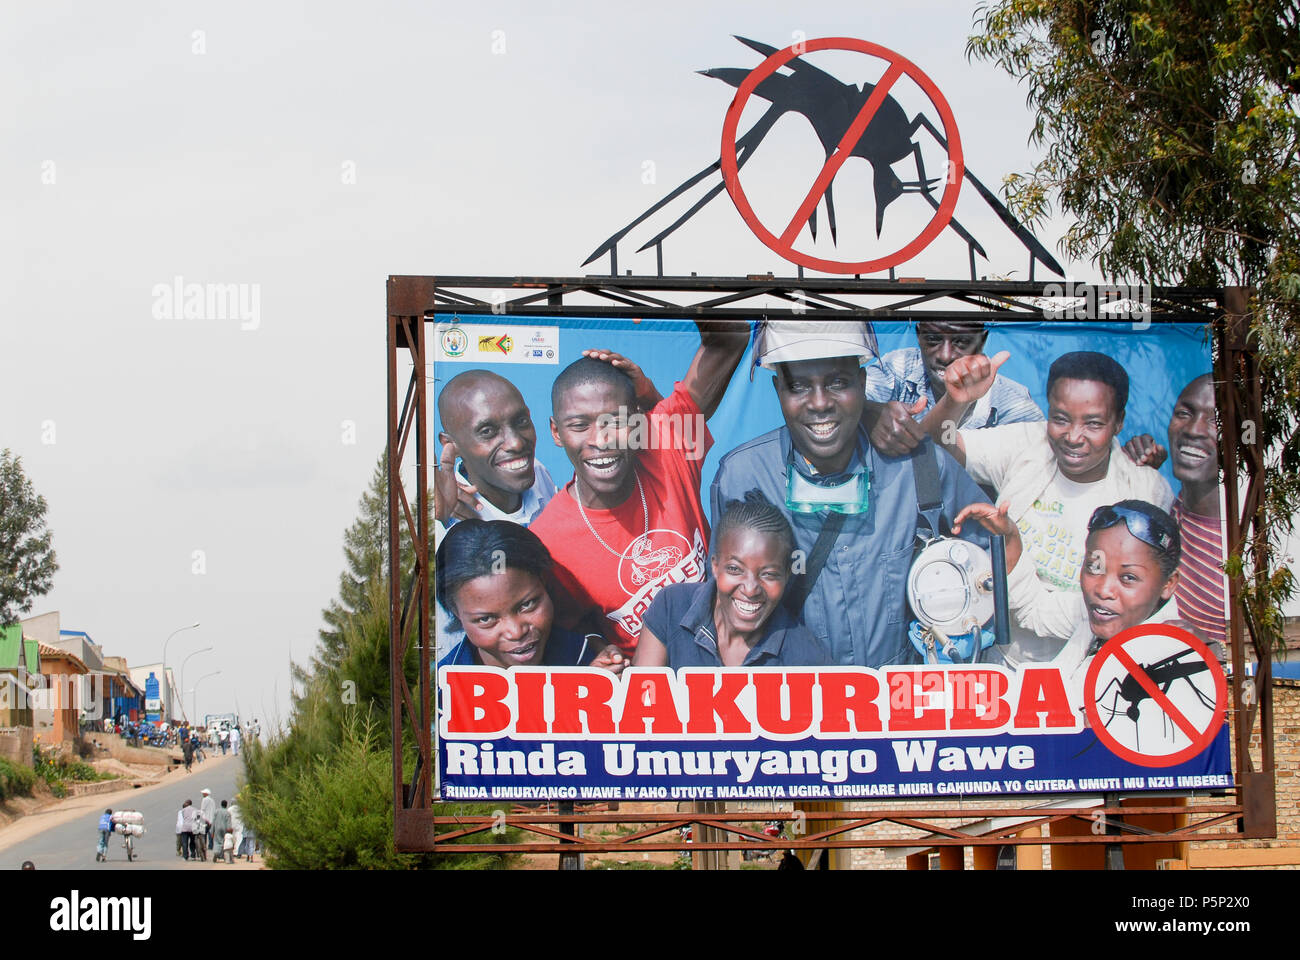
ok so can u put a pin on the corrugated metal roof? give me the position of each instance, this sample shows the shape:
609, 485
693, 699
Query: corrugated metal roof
55, 652
17, 650
11, 646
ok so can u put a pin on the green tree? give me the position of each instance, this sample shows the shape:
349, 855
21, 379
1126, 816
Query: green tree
27, 560
1169, 132
332, 810
365, 553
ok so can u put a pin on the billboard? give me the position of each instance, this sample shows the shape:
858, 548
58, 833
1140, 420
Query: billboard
821, 559
153, 704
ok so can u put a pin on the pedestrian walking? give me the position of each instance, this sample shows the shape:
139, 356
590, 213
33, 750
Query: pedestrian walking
237, 827
234, 740
188, 751
208, 810
180, 831
221, 833
105, 828
189, 821
199, 835
249, 846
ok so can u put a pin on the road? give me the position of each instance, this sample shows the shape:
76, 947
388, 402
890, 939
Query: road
64, 836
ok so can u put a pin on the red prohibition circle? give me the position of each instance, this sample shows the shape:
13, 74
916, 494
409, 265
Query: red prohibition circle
898, 66
1115, 648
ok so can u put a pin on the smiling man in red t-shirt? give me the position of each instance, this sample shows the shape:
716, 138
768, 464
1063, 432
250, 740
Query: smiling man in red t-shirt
631, 521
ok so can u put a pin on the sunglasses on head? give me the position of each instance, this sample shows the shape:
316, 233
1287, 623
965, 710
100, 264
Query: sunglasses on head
1139, 524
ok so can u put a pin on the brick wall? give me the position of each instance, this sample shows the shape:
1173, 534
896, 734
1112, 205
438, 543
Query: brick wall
1286, 755
1262, 854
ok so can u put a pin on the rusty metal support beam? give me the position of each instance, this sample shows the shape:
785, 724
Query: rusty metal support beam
813, 816
1240, 401
408, 298
711, 828
816, 297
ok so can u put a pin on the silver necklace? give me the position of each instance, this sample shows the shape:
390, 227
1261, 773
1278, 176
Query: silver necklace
645, 512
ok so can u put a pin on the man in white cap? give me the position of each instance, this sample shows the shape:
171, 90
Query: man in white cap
854, 510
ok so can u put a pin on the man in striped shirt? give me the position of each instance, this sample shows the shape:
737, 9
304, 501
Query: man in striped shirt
908, 382
1193, 446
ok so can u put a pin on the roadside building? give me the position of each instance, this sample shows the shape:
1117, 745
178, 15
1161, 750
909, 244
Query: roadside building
20, 667
168, 691
19, 660
123, 696
58, 705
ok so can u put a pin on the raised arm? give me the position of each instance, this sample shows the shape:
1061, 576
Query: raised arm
722, 344
966, 379
646, 393
1046, 612
994, 519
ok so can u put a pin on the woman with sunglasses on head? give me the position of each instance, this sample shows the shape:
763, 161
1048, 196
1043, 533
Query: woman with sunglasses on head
1129, 574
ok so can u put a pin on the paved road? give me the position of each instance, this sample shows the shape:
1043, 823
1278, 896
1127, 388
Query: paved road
71, 845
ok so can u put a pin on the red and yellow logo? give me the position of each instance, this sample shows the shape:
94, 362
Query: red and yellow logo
501, 344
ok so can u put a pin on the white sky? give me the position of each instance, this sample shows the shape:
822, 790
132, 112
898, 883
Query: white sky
226, 166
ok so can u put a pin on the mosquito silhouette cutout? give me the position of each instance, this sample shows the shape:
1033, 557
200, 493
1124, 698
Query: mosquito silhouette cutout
831, 107
1164, 674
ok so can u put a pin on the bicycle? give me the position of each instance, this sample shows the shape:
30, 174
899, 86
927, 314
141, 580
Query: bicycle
130, 824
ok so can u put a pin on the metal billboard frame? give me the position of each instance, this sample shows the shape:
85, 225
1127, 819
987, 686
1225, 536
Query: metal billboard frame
412, 302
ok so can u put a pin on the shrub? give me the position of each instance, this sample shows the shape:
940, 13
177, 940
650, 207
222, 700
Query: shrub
76, 770
46, 767
55, 768
15, 780
333, 813
52, 766
336, 813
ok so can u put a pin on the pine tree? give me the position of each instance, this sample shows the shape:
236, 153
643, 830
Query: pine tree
365, 552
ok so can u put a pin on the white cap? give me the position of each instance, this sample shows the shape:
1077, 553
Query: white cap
784, 341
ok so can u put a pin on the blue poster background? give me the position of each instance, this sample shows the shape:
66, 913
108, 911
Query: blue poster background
1160, 359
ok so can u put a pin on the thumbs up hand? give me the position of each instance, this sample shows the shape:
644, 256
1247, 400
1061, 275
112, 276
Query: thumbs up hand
969, 378
895, 433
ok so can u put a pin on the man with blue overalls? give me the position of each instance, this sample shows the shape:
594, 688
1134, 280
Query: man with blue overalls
854, 510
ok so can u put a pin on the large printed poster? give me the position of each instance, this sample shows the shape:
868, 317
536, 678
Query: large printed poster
821, 559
